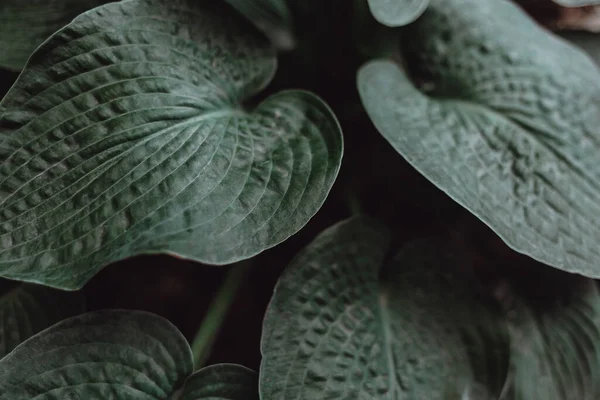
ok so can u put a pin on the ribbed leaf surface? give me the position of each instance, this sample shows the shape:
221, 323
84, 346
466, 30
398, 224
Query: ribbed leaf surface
126, 134
346, 324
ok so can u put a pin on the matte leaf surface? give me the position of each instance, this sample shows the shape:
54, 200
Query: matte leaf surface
556, 351
25, 24
222, 382
340, 326
397, 12
506, 121
126, 134
119, 355
27, 309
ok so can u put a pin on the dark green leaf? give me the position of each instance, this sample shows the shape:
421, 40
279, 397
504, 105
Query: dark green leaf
556, 350
397, 12
27, 309
126, 134
341, 327
222, 382
506, 121
121, 355
25, 24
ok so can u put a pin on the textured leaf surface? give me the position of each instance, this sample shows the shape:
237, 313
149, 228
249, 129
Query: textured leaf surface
222, 382
556, 351
397, 12
27, 309
25, 24
120, 355
507, 123
340, 327
126, 134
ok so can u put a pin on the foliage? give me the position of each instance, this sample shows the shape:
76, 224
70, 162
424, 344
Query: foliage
211, 131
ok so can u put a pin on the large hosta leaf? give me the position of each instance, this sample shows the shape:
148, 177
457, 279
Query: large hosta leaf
126, 134
101, 355
556, 349
222, 382
397, 12
27, 309
117, 355
507, 123
25, 24
341, 327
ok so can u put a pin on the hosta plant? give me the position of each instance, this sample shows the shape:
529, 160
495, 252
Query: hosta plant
150, 149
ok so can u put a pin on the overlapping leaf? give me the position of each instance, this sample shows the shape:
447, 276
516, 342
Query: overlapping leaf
127, 134
556, 350
340, 326
507, 122
397, 12
116, 355
27, 309
25, 24
222, 382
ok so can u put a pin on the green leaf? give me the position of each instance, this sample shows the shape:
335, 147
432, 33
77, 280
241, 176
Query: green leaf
222, 382
121, 355
506, 121
127, 134
25, 24
27, 309
341, 326
556, 348
396, 13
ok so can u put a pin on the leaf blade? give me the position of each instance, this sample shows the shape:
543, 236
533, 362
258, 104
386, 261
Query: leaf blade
222, 382
29, 309
337, 328
24, 25
134, 355
397, 13
126, 135
521, 116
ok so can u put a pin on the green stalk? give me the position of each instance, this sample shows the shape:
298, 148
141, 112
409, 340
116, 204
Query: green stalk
216, 314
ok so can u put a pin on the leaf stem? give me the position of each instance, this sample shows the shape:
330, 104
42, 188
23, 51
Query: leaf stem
216, 313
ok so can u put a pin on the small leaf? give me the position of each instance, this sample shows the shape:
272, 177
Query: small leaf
222, 382
25, 24
556, 350
396, 13
27, 309
506, 121
339, 326
102, 355
126, 134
